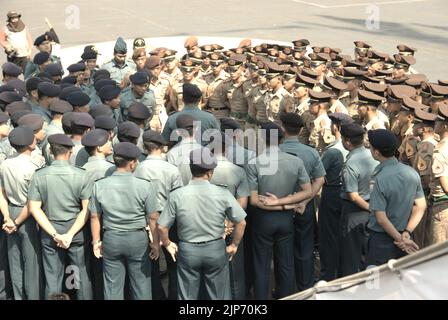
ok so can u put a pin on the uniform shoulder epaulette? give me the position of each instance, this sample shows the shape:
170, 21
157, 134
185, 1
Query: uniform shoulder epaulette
293, 154
141, 178
221, 185
81, 168
172, 112
38, 169
174, 189
206, 110
102, 178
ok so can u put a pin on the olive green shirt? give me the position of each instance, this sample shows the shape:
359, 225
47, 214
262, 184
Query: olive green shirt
60, 187
200, 209
123, 201
232, 176
96, 168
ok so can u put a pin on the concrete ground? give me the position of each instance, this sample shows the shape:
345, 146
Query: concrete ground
335, 23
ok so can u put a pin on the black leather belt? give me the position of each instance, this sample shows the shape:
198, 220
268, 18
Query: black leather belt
203, 242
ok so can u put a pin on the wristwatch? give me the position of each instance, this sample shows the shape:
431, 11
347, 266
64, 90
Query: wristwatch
96, 242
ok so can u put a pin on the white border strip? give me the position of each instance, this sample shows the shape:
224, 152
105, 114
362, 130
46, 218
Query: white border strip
355, 4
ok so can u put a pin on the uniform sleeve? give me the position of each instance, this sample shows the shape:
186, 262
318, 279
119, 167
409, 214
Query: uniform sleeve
439, 164
318, 169
151, 203
33, 191
94, 204
419, 192
2, 169
86, 188
168, 215
252, 176
328, 158
166, 133
177, 181
234, 212
377, 199
350, 179
242, 189
302, 175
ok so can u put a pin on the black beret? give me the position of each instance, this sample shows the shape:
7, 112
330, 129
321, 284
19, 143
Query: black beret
101, 74
128, 129
138, 110
103, 82
5, 88
272, 128
184, 121
105, 122
42, 38
352, 130
33, 121
109, 92
203, 158
60, 106
67, 119
229, 123
82, 119
54, 69
61, 139
340, 118
41, 57
382, 139
78, 99
139, 78
291, 119
8, 97
11, 69
32, 83
127, 150
67, 91
45, 76
21, 136
18, 86
17, 106
95, 138
191, 91
153, 136
48, 89
89, 54
4, 117
15, 117
101, 110
76, 67
69, 79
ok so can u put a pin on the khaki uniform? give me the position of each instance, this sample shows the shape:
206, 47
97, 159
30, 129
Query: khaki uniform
174, 77
423, 164
439, 223
277, 103
160, 89
408, 147
301, 107
233, 97
257, 98
215, 100
320, 135
308, 121
178, 92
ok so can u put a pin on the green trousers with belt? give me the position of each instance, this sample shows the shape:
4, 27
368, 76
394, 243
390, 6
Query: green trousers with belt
25, 259
126, 252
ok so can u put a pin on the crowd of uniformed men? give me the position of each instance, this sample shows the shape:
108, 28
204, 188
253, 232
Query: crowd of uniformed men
107, 168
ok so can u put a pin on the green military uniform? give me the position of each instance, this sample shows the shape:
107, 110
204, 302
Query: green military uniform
356, 175
333, 159
79, 155
214, 98
6, 151
128, 96
24, 252
308, 121
395, 187
208, 121
281, 174
44, 113
32, 68
164, 177
200, 226
96, 168
61, 187
179, 157
124, 204
234, 178
117, 72
304, 224
233, 97
257, 98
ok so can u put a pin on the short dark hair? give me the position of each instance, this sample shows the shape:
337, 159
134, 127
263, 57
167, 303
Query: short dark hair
292, 131
387, 152
57, 149
151, 146
191, 99
79, 130
121, 162
356, 141
19, 149
197, 171
90, 150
